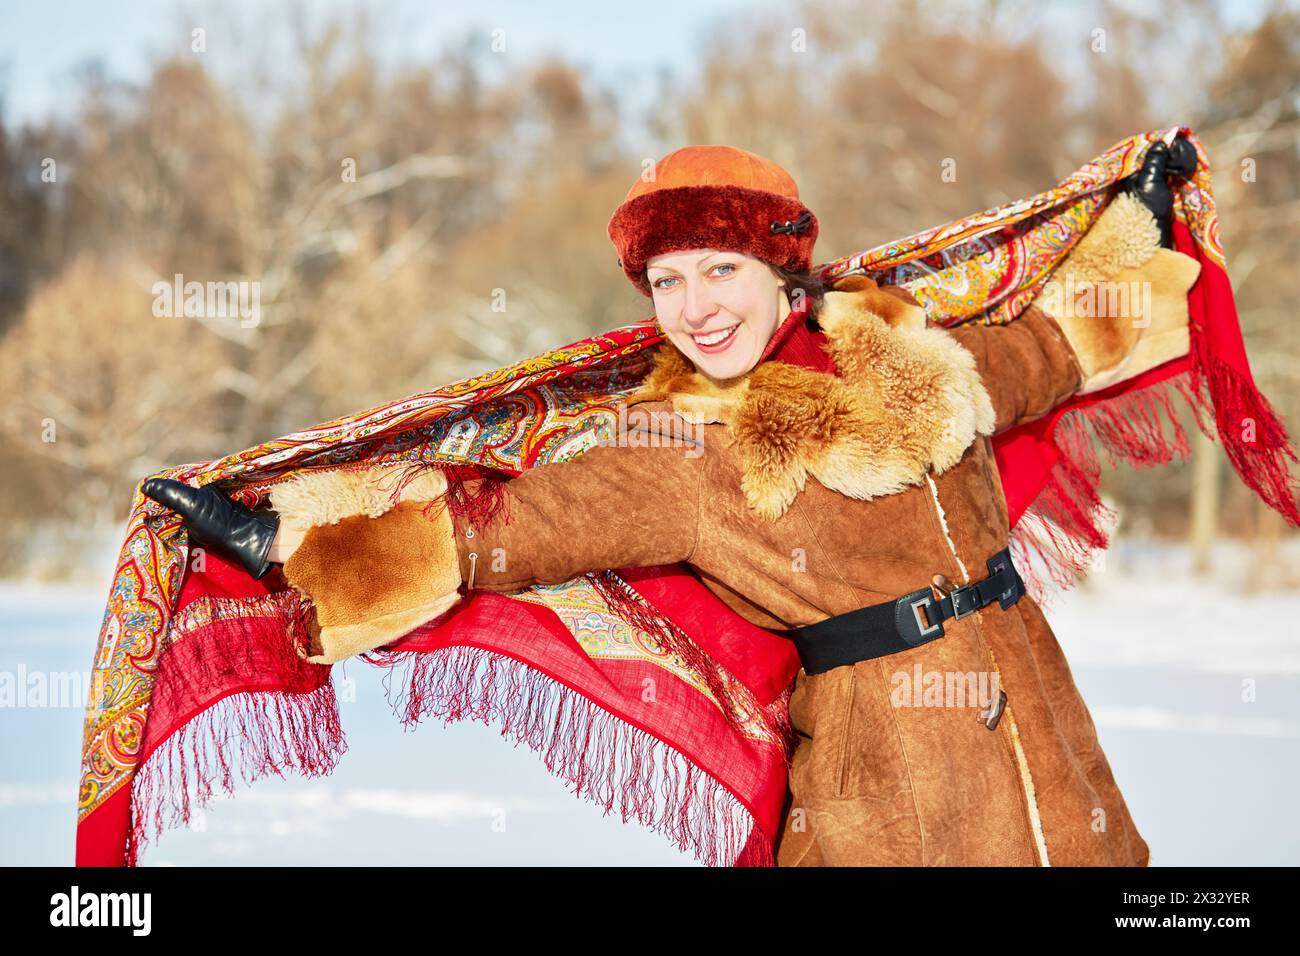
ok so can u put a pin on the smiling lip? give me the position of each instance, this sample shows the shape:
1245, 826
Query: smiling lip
715, 346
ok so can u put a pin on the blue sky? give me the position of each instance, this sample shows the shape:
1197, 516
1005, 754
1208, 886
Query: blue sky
41, 44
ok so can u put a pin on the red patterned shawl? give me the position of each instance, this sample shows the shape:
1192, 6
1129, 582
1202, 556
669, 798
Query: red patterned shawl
195, 678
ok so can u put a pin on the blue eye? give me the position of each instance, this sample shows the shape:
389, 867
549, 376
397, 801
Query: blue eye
725, 265
657, 282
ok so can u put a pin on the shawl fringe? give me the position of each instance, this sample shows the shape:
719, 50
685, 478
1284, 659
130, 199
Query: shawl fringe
604, 759
479, 505
1227, 404
1068, 523
252, 733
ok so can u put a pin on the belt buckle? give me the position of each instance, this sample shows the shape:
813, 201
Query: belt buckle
909, 624
957, 613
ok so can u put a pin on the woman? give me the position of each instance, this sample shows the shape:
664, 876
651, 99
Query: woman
837, 486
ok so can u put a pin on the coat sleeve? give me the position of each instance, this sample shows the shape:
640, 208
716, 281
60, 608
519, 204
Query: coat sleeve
1116, 307
614, 506
1027, 366
375, 568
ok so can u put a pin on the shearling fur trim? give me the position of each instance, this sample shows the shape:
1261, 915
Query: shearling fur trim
330, 645
908, 399
894, 304
1114, 347
329, 495
1125, 236
695, 397
1100, 294
372, 579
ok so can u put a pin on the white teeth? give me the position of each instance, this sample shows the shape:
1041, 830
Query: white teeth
715, 338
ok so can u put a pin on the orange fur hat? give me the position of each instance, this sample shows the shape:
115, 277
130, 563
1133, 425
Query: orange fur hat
713, 197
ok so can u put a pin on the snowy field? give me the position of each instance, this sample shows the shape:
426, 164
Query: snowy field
1194, 687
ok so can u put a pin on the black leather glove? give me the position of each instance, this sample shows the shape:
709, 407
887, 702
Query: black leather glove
1150, 184
227, 527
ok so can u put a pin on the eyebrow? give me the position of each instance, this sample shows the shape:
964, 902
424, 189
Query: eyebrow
720, 252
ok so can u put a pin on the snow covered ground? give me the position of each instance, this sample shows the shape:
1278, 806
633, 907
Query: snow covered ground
1194, 687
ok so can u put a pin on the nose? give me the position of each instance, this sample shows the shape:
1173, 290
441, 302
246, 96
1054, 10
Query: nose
698, 304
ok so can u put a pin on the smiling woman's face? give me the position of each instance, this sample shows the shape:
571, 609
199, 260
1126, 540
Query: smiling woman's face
719, 308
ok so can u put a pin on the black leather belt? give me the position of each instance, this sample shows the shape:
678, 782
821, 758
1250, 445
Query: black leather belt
909, 621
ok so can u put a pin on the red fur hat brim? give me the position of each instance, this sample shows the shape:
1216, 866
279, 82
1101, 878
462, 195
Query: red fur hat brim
710, 217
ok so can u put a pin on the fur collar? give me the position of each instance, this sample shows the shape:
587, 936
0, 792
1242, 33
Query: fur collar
908, 398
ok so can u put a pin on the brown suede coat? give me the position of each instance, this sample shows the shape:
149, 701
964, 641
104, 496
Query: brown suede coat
878, 784
797, 496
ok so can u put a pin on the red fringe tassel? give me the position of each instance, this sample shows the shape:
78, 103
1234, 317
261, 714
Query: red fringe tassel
1228, 406
271, 731
474, 493
1068, 523
605, 760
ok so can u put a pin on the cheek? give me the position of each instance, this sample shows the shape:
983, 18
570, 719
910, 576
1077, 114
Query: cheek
760, 317
669, 315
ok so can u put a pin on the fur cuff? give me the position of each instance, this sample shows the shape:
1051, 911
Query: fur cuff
1119, 342
376, 562
1121, 299
1125, 236
329, 495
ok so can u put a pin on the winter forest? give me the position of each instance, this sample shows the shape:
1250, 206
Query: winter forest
377, 203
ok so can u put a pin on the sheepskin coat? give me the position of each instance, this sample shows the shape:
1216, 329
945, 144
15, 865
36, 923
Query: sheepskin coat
798, 495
